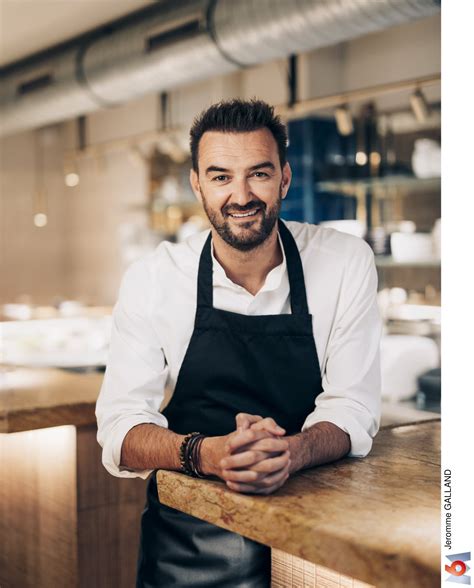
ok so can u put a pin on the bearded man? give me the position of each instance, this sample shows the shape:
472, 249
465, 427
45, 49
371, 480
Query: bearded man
267, 332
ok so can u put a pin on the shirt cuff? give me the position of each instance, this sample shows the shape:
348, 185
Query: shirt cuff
111, 452
361, 441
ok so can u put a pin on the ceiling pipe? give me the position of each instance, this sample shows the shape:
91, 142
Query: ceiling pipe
171, 44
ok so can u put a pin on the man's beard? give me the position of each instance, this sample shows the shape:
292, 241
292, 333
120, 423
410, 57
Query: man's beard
245, 237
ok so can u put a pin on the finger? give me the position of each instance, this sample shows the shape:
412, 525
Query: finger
272, 464
261, 461
268, 424
244, 476
266, 486
241, 460
255, 479
269, 444
257, 476
239, 439
243, 420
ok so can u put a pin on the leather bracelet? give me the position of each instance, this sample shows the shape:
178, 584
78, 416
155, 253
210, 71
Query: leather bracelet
183, 451
193, 455
189, 454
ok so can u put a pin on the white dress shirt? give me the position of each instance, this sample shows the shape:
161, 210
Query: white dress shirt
153, 321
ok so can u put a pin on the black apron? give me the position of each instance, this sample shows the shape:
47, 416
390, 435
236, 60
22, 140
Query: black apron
266, 365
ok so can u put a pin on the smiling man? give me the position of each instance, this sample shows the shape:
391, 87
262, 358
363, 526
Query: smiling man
267, 334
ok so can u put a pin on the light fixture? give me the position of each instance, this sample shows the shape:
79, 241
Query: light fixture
40, 208
343, 118
361, 158
71, 179
420, 106
40, 200
40, 219
71, 174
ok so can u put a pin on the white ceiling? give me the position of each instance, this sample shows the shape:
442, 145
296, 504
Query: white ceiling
27, 26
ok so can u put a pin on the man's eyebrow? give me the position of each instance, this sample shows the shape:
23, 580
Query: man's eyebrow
263, 164
216, 168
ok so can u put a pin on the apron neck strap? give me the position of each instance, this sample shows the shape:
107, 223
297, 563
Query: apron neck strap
299, 303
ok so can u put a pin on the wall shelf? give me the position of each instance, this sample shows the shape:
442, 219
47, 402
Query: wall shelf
395, 181
383, 261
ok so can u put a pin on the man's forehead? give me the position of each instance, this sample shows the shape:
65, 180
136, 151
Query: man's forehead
237, 145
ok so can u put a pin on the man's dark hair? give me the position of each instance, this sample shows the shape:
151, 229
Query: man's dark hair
238, 116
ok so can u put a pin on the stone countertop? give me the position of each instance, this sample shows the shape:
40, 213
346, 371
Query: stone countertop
376, 519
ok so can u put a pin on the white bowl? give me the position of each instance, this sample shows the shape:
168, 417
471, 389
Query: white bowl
411, 246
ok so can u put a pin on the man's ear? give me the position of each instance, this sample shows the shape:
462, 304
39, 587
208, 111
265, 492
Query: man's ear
194, 181
286, 179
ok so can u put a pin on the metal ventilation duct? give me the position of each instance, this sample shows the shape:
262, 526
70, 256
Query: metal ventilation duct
175, 43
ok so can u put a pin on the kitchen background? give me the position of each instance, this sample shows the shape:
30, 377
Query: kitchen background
94, 170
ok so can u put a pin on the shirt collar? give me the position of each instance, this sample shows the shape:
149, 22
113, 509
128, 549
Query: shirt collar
272, 281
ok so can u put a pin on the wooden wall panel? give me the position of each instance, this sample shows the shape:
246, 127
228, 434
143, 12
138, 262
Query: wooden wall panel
38, 515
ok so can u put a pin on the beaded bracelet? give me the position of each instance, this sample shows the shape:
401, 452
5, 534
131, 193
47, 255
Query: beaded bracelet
189, 455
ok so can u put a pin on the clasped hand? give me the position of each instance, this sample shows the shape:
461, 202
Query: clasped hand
256, 456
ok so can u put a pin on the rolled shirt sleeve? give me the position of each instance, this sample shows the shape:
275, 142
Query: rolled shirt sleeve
134, 381
351, 379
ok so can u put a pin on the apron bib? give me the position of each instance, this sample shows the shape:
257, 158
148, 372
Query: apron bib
266, 365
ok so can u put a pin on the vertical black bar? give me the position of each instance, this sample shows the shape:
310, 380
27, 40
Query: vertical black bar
308, 173
292, 80
368, 208
81, 132
369, 145
164, 110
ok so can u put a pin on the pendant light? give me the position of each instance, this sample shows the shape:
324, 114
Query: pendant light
40, 200
71, 174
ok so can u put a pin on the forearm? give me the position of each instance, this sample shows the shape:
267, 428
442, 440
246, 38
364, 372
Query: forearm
150, 447
322, 443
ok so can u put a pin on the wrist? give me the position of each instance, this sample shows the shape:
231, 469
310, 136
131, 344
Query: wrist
190, 454
296, 453
210, 457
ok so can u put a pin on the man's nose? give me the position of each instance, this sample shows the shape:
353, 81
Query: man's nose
241, 192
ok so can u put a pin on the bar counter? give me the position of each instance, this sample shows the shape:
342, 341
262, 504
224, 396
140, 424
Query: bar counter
376, 520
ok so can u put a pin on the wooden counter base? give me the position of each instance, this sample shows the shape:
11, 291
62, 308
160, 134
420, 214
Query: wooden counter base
64, 520
375, 519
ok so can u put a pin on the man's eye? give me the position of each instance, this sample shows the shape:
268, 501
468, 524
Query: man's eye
261, 174
220, 178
